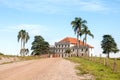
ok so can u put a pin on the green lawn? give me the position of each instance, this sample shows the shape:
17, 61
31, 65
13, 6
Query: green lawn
100, 71
110, 62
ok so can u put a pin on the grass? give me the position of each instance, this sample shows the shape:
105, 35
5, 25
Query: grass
100, 71
21, 57
29, 57
110, 62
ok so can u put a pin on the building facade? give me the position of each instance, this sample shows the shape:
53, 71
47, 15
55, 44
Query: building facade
71, 43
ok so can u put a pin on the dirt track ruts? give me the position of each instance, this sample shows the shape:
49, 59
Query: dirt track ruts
42, 69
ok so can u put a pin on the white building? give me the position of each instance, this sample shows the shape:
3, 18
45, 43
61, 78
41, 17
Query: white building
71, 43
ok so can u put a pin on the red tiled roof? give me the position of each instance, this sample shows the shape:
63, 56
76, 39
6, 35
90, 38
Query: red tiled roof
74, 41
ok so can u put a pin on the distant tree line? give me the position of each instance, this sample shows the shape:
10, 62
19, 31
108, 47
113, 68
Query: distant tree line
40, 46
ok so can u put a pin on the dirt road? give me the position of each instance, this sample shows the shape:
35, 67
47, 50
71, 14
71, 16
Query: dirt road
43, 69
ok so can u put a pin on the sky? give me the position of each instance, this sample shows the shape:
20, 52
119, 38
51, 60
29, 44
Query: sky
52, 20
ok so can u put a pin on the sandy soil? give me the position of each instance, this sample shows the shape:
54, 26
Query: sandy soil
43, 69
8, 59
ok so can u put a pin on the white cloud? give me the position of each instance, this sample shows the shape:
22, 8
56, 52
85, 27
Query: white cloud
55, 6
93, 6
31, 28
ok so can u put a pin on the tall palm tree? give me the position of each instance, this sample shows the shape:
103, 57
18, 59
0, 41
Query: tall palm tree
78, 24
23, 36
86, 32
26, 39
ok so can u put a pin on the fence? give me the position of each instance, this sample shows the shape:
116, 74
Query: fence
113, 63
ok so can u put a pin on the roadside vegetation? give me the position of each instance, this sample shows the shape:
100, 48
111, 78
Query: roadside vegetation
101, 68
20, 57
5, 59
99, 71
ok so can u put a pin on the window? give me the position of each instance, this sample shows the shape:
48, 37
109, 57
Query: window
82, 49
68, 45
65, 46
86, 50
73, 49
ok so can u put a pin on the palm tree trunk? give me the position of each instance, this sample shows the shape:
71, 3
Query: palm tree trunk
24, 44
21, 47
77, 44
86, 46
80, 45
108, 55
21, 44
24, 48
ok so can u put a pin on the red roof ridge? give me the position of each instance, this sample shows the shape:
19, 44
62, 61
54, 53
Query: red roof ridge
73, 40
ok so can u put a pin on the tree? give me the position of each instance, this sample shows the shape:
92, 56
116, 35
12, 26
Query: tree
108, 45
23, 36
68, 51
86, 32
25, 51
1, 53
78, 24
39, 46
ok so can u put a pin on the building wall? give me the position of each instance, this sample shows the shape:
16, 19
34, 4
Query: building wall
62, 47
91, 51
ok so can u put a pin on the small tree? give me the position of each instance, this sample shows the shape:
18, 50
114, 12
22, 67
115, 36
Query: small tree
39, 46
68, 51
108, 45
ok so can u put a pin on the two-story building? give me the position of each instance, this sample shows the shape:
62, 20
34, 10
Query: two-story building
72, 44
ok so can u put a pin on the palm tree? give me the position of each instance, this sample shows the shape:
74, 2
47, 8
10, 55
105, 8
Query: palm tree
86, 32
24, 52
78, 24
26, 39
23, 36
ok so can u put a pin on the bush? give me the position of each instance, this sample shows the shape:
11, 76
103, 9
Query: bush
1, 53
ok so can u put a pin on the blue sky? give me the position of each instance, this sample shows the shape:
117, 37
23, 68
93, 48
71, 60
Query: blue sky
52, 18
